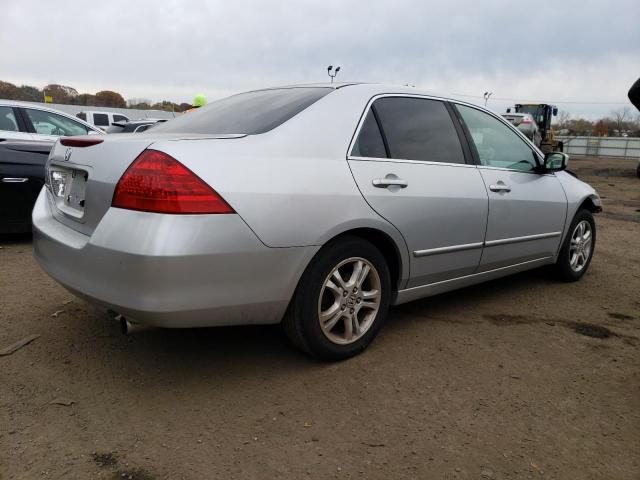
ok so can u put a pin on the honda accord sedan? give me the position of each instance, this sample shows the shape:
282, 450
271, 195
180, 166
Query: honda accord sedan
317, 207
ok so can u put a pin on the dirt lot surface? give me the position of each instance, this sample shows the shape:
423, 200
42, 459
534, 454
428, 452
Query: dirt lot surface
522, 377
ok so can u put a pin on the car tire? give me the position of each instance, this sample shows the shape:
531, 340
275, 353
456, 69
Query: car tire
638, 170
578, 247
336, 317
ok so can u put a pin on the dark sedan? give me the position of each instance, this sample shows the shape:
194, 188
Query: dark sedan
21, 179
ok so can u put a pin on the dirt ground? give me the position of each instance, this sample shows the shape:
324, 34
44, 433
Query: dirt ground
522, 377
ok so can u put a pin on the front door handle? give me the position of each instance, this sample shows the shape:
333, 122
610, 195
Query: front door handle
389, 182
500, 187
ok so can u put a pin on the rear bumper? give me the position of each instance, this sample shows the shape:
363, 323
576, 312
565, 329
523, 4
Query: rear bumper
171, 270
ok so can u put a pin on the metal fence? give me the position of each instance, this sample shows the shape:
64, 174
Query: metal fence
622, 147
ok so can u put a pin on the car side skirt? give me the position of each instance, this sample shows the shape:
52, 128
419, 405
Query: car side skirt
415, 293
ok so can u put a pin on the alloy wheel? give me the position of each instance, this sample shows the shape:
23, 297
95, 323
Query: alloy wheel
349, 300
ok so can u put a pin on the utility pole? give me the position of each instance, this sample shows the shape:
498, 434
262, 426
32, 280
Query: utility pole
335, 72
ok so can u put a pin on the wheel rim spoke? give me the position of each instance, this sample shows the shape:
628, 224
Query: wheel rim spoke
349, 300
580, 246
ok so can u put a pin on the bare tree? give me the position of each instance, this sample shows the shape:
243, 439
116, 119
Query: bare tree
563, 118
621, 117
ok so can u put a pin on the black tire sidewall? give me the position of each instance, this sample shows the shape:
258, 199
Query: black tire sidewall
563, 263
311, 286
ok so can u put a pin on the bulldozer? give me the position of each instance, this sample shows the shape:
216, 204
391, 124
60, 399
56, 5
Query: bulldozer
542, 113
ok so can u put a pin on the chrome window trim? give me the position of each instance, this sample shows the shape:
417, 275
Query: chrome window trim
402, 160
367, 108
515, 170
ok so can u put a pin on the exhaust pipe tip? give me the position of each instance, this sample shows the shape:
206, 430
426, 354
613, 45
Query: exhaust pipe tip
129, 328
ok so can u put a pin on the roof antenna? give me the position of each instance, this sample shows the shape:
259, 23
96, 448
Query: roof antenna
335, 72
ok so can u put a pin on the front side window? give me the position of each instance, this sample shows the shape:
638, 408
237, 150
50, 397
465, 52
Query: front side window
248, 113
101, 119
418, 129
8, 119
47, 123
497, 144
82, 116
120, 118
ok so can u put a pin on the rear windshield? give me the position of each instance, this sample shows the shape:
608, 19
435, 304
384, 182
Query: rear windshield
250, 113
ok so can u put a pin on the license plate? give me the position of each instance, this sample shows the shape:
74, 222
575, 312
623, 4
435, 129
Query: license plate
68, 189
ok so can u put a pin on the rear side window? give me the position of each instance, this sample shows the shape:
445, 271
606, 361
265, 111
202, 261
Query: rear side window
101, 119
369, 143
250, 113
8, 119
418, 129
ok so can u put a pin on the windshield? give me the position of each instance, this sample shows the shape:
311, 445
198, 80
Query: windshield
249, 113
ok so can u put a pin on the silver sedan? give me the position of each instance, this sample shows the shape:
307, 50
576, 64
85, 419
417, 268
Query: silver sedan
314, 206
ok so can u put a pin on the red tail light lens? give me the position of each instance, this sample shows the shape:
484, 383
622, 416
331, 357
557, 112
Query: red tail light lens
80, 141
157, 182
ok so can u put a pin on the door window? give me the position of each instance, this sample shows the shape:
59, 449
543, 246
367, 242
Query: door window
369, 143
497, 144
101, 119
120, 118
418, 129
47, 123
8, 119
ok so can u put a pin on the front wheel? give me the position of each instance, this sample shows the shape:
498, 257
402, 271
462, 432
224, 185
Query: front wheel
578, 247
341, 300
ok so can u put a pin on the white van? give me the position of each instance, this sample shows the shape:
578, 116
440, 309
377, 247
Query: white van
102, 120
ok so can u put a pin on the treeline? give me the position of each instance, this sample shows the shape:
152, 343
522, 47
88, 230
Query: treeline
66, 95
621, 122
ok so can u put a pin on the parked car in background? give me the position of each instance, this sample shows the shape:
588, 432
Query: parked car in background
315, 206
102, 120
21, 178
133, 126
25, 121
527, 125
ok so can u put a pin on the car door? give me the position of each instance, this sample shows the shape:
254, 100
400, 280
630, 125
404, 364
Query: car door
527, 209
410, 164
11, 125
49, 126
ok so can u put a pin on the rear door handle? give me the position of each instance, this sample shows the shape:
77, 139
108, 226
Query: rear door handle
389, 182
14, 180
500, 187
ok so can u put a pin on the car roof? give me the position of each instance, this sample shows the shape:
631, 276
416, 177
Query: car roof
34, 106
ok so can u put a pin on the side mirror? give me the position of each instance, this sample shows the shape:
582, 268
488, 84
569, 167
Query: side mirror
508, 110
555, 111
555, 161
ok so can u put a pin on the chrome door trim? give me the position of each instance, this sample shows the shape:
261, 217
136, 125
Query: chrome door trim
525, 238
414, 293
489, 243
453, 248
14, 180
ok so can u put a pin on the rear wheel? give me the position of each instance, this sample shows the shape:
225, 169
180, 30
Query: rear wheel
341, 300
577, 250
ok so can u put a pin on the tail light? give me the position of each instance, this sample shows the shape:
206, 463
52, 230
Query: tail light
157, 182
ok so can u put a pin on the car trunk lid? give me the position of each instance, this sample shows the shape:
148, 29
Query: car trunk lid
81, 176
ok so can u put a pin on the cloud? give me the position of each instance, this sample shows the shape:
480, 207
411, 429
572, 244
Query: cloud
571, 50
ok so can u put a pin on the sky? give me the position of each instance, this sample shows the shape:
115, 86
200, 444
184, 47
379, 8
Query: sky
581, 55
